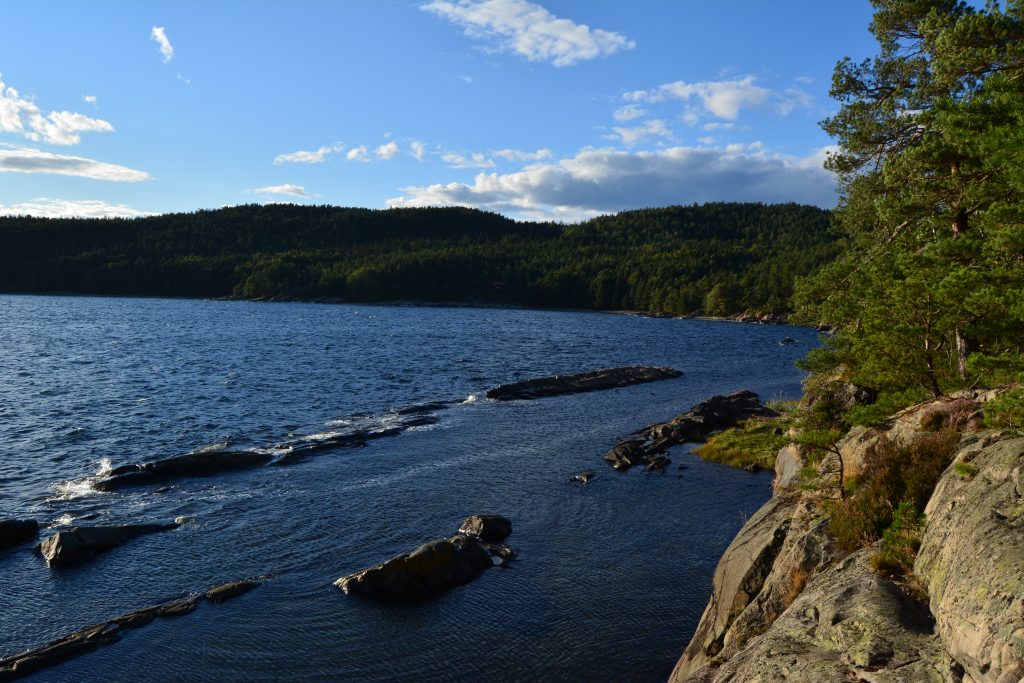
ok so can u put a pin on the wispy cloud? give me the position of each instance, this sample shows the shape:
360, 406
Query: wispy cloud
529, 30
360, 153
70, 208
597, 181
159, 36
628, 113
652, 128
723, 99
475, 160
286, 189
417, 149
91, 99
24, 160
520, 155
387, 151
22, 116
308, 157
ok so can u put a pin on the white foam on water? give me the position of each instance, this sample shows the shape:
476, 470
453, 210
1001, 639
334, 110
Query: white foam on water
472, 398
75, 488
63, 520
105, 467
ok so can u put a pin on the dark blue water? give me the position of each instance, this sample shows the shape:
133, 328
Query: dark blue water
611, 578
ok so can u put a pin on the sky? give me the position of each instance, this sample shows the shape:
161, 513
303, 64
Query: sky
536, 109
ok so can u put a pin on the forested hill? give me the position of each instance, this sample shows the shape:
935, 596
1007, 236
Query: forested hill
714, 258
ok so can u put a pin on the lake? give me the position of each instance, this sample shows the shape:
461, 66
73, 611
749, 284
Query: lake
611, 578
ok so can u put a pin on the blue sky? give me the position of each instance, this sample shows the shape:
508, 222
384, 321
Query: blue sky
550, 109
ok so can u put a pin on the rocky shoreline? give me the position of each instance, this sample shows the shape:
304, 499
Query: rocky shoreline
788, 604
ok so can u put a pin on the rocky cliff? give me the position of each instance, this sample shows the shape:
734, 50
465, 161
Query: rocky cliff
788, 604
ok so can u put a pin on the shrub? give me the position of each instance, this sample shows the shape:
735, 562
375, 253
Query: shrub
887, 403
965, 469
893, 475
900, 541
1006, 411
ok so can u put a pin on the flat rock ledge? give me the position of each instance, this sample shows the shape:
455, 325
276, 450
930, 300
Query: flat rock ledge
597, 380
82, 543
202, 464
108, 632
650, 443
436, 566
16, 531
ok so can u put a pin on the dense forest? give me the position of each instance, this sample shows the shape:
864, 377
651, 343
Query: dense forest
928, 295
714, 258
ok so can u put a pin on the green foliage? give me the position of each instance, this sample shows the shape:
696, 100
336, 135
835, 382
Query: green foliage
733, 256
892, 476
1006, 411
928, 291
887, 403
900, 541
965, 469
754, 442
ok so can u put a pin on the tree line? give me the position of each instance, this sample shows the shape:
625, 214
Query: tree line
718, 258
928, 295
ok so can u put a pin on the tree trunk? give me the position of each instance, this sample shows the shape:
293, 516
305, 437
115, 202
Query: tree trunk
962, 349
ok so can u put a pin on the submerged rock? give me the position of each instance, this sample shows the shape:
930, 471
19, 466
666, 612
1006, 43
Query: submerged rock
200, 464
712, 415
436, 566
82, 543
598, 380
16, 531
582, 477
489, 528
226, 591
107, 632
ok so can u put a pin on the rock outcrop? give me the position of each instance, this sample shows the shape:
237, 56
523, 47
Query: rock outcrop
201, 464
699, 422
598, 380
787, 604
78, 544
436, 566
972, 558
108, 632
848, 624
16, 531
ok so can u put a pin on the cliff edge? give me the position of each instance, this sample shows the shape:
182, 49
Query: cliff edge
788, 604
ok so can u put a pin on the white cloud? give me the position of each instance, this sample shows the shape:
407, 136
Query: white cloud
417, 149
70, 208
520, 155
629, 112
24, 160
792, 98
529, 30
652, 128
596, 181
287, 189
360, 153
308, 157
476, 160
718, 125
159, 36
387, 151
91, 99
724, 99
466, 79
23, 117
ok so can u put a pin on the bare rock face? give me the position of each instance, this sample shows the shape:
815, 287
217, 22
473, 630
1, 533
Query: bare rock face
788, 463
201, 464
761, 573
848, 624
972, 558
